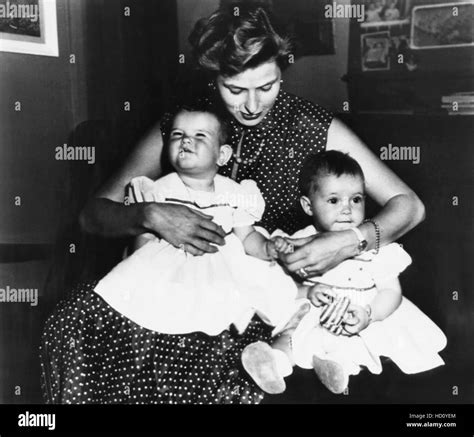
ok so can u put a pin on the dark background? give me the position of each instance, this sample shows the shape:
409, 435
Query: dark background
136, 59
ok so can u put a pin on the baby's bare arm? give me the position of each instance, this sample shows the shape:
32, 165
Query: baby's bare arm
255, 244
388, 299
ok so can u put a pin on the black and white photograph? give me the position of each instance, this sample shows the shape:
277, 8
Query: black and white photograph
446, 25
384, 12
375, 48
29, 26
243, 203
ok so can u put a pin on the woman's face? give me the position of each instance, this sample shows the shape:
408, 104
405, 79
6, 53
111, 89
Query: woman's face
250, 95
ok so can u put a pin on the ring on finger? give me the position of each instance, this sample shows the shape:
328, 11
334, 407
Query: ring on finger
302, 272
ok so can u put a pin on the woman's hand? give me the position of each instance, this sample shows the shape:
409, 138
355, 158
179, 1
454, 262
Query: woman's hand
357, 322
184, 227
321, 253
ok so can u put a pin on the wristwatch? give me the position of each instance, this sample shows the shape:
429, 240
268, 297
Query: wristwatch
362, 241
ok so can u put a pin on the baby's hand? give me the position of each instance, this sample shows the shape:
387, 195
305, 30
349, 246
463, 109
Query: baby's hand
282, 245
356, 321
278, 245
333, 315
320, 294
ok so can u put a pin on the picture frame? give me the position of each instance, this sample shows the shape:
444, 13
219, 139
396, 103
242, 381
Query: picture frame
29, 27
436, 26
375, 51
385, 13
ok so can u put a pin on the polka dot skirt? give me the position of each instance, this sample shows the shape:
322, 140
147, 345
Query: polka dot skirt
92, 354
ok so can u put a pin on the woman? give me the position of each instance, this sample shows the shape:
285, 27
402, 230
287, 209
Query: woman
92, 354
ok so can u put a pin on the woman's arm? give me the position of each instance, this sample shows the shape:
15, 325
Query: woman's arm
402, 209
106, 214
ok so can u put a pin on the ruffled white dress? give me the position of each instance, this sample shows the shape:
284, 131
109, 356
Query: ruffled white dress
407, 336
167, 290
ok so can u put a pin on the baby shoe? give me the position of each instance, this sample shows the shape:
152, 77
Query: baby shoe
331, 374
262, 364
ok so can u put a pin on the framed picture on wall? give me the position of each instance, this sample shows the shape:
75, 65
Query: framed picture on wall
29, 26
375, 51
442, 25
380, 13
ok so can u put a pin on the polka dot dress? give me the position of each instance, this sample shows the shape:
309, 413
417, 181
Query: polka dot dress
92, 354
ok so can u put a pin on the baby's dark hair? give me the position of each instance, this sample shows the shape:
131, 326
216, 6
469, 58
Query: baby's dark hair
237, 37
224, 127
331, 162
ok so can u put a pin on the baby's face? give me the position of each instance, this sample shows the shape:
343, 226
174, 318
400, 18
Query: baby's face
194, 143
338, 203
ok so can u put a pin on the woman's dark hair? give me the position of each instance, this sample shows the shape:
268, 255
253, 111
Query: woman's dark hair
331, 162
238, 37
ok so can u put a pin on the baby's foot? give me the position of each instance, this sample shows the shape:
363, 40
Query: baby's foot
295, 320
259, 360
331, 374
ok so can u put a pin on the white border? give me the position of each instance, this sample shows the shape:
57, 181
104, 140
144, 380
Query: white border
412, 28
377, 24
49, 46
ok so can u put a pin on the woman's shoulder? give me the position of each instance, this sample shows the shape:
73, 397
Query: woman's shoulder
304, 111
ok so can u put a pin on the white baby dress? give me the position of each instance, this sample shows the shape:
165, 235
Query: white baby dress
165, 289
408, 337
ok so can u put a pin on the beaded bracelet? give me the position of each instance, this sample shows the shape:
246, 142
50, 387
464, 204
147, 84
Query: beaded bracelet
377, 233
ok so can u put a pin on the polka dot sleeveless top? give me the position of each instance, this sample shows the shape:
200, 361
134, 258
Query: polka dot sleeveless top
272, 154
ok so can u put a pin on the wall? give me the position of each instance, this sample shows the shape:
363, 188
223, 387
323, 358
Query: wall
318, 78
118, 58
53, 101
323, 71
50, 106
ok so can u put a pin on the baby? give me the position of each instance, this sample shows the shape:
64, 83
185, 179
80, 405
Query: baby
358, 312
163, 288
